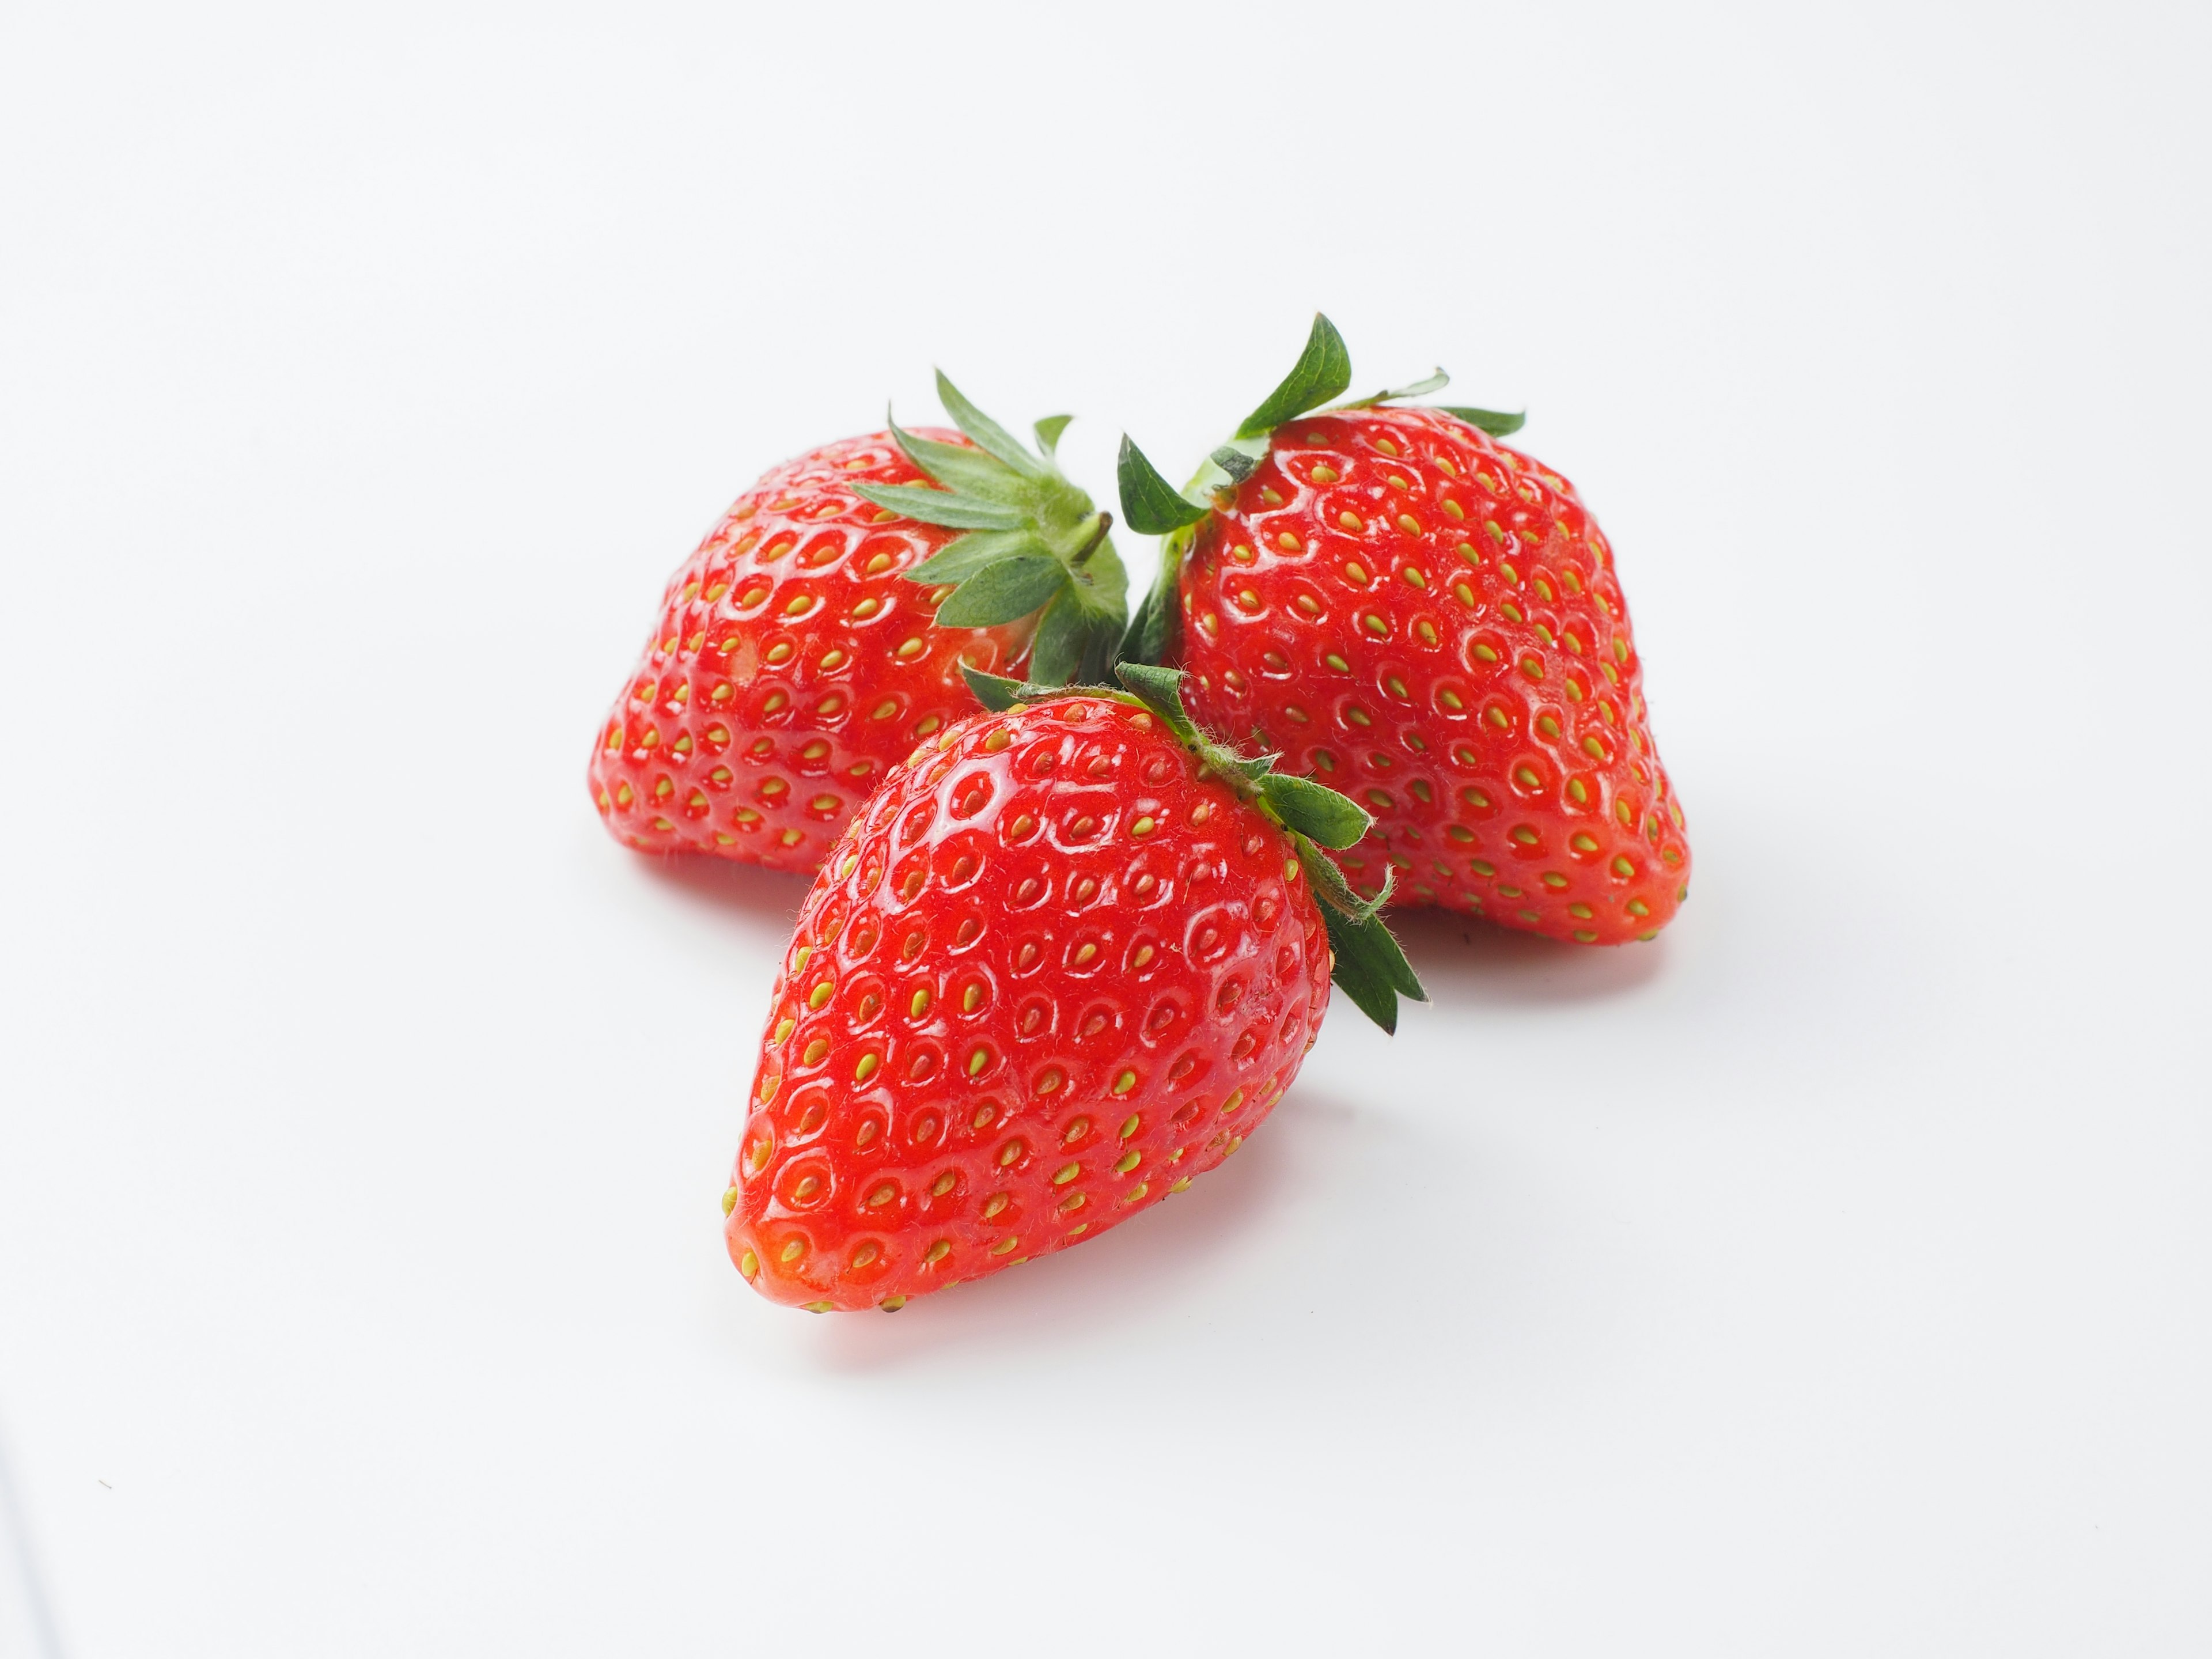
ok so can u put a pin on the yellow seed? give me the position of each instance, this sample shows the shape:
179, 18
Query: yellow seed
1084, 955
1136, 1193
748, 1264
866, 1068
1004, 1245
1236, 1099
1066, 1173
1124, 1083
783, 1028
1288, 542
1182, 1184
1145, 954
1128, 1162
891, 1304
793, 1251
815, 1050
936, 1253
978, 1060
729, 1200
820, 994
1407, 523
1130, 1127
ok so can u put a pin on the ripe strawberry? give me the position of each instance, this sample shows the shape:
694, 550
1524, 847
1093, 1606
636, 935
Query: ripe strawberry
1065, 961
1431, 621
796, 656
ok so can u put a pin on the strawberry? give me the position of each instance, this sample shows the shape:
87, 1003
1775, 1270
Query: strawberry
797, 654
1431, 621
1064, 962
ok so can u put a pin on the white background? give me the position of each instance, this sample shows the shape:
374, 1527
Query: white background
1832, 1277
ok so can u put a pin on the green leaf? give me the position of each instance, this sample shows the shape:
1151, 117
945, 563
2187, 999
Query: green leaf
1247, 769
1161, 689
942, 506
1152, 633
1063, 636
1323, 371
1316, 810
1098, 650
1235, 462
1103, 584
965, 556
994, 691
1489, 420
1371, 969
1333, 892
1435, 382
1150, 505
990, 437
1002, 592
1048, 430
970, 472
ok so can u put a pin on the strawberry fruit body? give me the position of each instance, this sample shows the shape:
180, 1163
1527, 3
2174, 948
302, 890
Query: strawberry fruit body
1430, 622
819, 630
1058, 966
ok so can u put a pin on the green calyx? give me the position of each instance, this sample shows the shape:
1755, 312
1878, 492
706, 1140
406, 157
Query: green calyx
1369, 967
1151, 507
1034, 542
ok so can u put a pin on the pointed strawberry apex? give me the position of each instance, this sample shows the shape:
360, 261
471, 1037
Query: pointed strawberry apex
1035, 544
1369, 965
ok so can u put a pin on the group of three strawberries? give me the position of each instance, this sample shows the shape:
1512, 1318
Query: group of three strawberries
1082, 880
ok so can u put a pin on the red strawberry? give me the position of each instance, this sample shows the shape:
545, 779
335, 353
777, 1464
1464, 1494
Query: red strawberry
796, 656
1065, 961
1432, 623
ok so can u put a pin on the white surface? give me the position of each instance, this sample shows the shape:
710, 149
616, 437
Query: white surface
1830, 1278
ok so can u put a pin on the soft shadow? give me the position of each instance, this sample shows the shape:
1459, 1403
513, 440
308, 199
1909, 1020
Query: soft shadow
746, 889
1174, 1248
1465, 962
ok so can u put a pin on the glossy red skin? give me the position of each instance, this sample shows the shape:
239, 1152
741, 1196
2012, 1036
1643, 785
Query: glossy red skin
752, 730
1105, 1081
1475, 802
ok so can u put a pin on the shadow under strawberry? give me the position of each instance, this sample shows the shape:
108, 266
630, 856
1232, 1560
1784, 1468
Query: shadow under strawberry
750, 890
1464, 962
